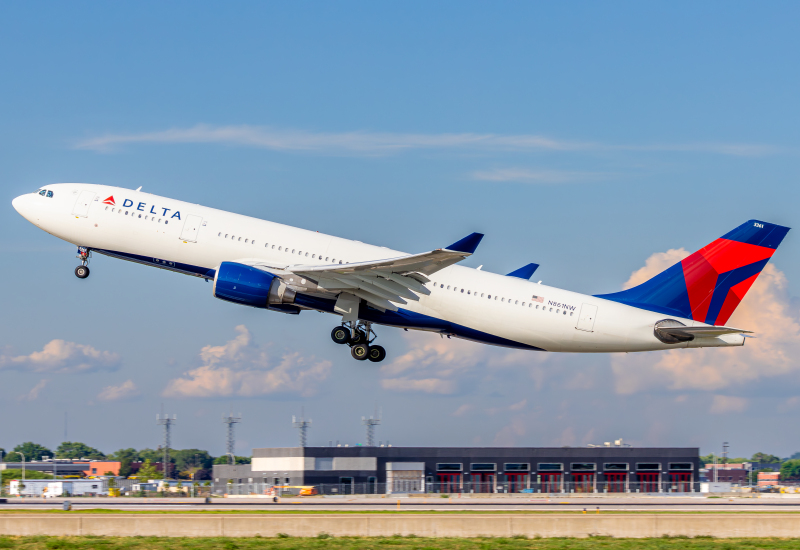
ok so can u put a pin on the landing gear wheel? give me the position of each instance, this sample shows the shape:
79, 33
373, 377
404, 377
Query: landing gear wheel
341, 335
359, 351
82, 271
358, 337
376, 354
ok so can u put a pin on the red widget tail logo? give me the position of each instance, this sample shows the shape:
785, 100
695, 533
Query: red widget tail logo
110, 200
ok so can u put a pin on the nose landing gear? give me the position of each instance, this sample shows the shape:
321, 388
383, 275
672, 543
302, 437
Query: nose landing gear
359, 336
82, 271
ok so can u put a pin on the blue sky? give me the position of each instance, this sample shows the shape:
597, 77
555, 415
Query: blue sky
583, 136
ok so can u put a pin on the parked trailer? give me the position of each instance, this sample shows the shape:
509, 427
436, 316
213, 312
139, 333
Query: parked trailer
56, 488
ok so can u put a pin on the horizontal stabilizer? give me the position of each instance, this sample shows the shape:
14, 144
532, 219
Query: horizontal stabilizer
670, 332
467, 245
524, 272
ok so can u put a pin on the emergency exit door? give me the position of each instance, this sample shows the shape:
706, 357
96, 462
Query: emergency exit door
587, 317
190, 228
81, 207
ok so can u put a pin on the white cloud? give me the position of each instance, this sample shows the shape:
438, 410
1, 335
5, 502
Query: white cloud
765, 309
378, 143
524, 175
34, 393
723, 404
126, 390
62, 357
242, 368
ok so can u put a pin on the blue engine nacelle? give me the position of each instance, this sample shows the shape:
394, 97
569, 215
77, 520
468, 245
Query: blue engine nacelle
242, 284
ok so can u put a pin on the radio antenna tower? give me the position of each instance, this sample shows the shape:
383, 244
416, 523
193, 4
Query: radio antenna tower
167, 422
370, 423
302, 424
230, 420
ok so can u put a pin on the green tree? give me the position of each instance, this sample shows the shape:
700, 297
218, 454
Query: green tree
239, 460
148, 471
790, 469
709, 458
186, 459
130, 453
16, 473
765, 458
125, 467
76, 449
32, 451
153, 455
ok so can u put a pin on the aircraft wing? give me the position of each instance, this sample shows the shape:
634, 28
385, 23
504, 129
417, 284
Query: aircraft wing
384, 283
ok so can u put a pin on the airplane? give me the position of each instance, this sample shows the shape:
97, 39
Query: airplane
276, 267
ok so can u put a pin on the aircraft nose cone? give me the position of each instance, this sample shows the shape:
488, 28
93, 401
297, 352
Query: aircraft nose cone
17, 203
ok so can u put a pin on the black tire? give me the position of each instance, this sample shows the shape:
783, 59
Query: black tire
376, 354
341, 335
82, 271
358, 338
359, 351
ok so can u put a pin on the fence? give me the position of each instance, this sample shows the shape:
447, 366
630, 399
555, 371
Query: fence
466, 487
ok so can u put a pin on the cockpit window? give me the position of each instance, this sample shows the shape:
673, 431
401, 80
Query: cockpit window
49, 194
46, 193
42, 192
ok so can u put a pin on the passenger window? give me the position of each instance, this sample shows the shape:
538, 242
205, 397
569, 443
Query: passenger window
326, 258
240, 238
113, 209
462, 291
140, 215
126, 212
49, 194
299, 252
340, 261
226, 235
551, 309
502, 299
516, 302
245, 241
313, 256
166, 222
233, 237
537, 307
292, 250
557, 311
490, 296
448, 287
570, 313
333, 261
273, 246
468, 292
481, 294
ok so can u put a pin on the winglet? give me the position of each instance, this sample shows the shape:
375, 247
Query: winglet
524, 272
468, 244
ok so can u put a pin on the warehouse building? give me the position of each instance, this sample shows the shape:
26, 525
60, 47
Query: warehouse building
402, 470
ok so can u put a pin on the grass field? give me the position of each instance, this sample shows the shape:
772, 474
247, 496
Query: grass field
389, 543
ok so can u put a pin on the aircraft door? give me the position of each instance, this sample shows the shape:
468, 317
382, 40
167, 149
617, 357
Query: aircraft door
587, 317
83, 203
190, 228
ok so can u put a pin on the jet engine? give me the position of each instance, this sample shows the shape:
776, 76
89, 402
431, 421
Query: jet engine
249, 286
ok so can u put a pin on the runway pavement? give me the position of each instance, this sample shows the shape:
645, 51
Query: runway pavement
775, 503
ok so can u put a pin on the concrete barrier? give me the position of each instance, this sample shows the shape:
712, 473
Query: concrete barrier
424, 525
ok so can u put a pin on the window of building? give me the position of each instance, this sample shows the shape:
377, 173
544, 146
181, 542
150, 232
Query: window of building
681, 466
550, 467
324, 464
648, 466
516, 467
583, 466
483, 467
615, 466
449, 467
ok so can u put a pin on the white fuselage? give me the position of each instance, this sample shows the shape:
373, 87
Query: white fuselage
156, 231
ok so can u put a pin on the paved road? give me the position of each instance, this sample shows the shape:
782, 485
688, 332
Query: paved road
651, 504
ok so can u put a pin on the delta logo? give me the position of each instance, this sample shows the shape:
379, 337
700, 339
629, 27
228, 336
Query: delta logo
110, 200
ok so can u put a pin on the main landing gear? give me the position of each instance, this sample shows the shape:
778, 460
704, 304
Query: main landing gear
82, 271
359, 336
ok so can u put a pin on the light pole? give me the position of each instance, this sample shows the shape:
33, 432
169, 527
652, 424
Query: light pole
23, 471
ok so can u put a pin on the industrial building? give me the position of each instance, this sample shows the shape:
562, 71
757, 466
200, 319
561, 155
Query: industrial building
394, 470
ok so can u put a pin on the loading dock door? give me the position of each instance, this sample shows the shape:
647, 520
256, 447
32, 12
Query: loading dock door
587, 317
680, 483
516, 482
83, 203
449, 483
190, 228
551, 483
648, 483
615, 483
583, 483
483, 483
